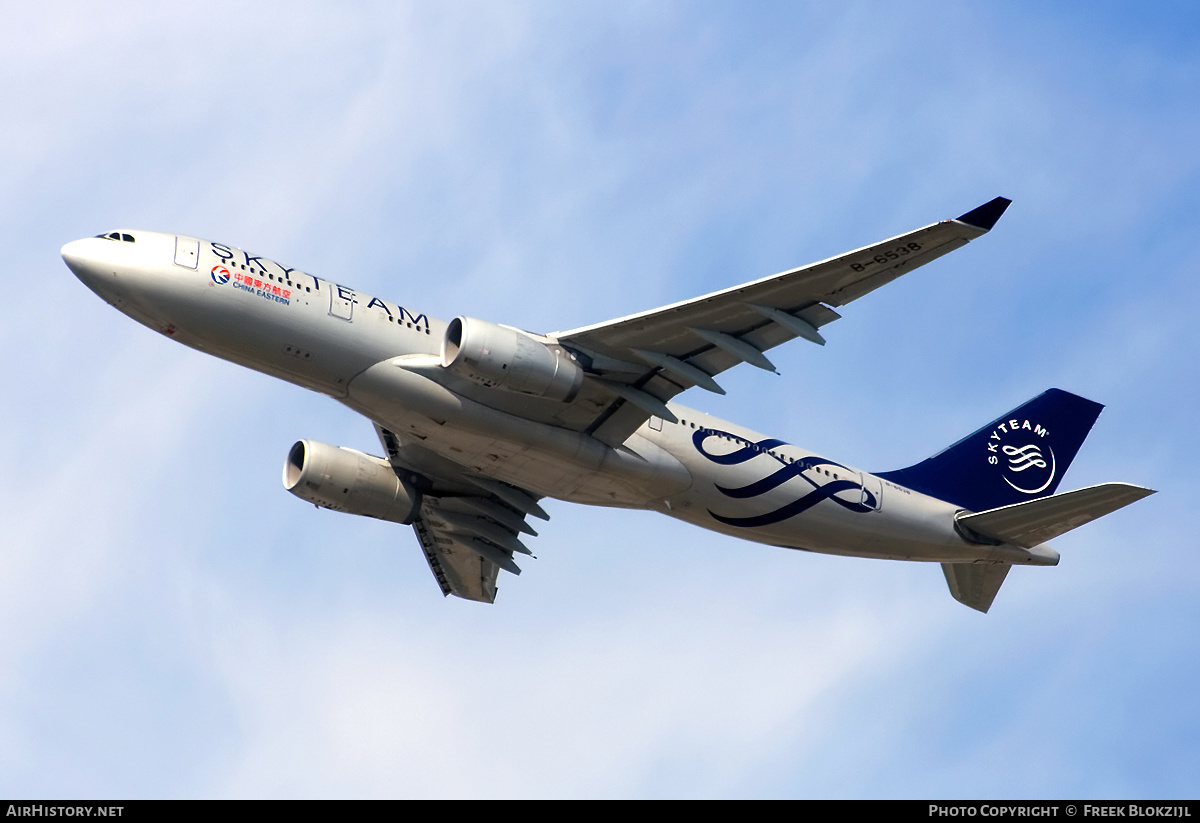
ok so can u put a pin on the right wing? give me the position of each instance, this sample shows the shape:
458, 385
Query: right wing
468, 526
646, 359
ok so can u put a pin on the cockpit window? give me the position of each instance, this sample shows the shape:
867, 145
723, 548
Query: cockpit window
116, 235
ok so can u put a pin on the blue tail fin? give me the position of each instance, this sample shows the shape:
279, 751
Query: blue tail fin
1020, 456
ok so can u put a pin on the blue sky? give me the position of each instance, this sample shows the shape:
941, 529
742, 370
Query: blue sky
173, 624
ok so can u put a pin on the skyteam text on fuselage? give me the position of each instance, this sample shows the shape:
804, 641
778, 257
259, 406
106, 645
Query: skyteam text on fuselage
480, 421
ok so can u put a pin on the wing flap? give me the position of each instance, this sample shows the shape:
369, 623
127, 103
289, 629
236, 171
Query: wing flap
458, 571
467, 526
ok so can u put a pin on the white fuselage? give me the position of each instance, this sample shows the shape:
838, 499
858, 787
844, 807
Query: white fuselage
366, 352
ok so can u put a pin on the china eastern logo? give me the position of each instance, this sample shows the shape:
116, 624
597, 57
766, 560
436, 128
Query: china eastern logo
1024, 457
220, 275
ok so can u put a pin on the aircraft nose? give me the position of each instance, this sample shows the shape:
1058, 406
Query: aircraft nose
75, 255
84, 261
71, 252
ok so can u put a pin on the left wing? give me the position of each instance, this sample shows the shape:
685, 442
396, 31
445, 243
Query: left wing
643, 360
468, 526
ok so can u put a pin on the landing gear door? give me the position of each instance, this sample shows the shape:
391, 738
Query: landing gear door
872, 491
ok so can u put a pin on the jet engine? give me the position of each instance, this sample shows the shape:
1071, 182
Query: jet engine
349, 481
502, 358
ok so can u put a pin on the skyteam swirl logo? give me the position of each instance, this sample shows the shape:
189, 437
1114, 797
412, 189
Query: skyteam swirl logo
1025, 464
824, 483
1026, 457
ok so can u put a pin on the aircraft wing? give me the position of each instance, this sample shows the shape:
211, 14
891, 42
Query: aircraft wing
468, 527
641, 361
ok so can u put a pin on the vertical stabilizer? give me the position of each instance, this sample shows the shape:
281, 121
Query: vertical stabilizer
1017, 457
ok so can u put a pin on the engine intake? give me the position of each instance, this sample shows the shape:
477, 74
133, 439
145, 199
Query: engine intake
502, 358
345, 480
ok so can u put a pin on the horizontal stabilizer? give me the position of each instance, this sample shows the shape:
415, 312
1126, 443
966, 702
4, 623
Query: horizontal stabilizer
1036, 521
975, 584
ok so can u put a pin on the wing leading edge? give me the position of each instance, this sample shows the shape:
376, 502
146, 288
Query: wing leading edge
645, 359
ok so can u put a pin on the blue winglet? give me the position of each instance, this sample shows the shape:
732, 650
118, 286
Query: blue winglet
986, 215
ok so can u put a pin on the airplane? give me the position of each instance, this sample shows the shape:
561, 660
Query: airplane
480, 422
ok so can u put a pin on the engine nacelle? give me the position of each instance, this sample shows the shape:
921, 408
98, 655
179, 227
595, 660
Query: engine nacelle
349, 481
504, 358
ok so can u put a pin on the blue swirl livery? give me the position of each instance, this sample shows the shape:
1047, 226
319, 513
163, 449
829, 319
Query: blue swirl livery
824, 483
